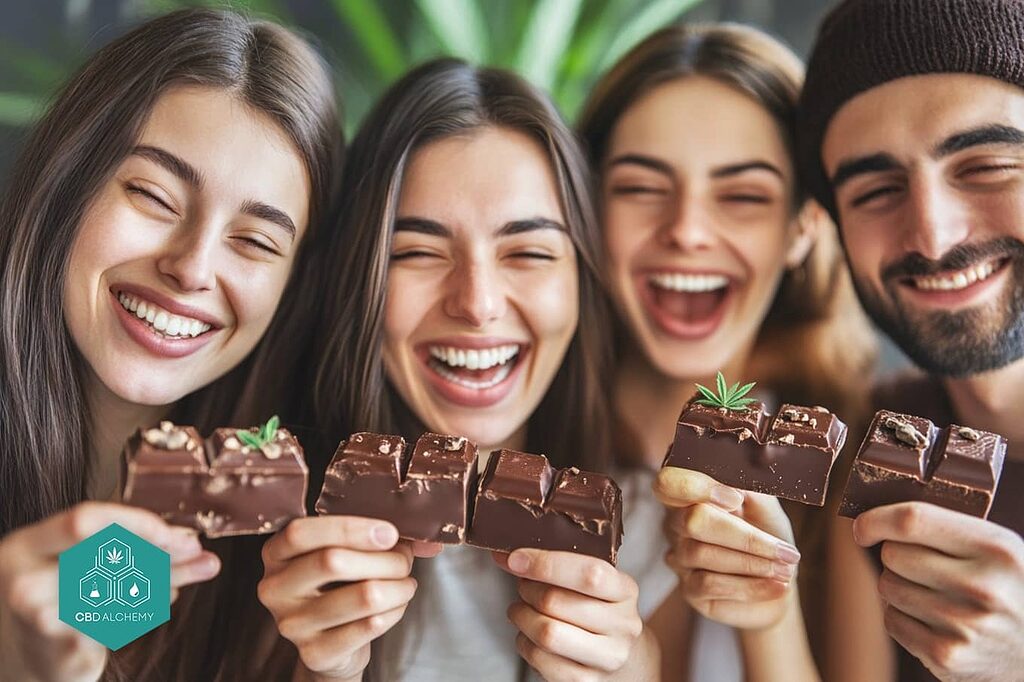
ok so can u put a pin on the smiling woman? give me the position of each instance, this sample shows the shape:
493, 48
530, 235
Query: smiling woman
157, 214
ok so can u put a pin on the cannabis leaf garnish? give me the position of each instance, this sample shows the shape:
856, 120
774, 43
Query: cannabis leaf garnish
114, 556
264, 436
727, 398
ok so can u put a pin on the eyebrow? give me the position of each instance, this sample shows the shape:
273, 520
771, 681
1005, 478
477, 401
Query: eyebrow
436, 229
191, 175
994, 133
743, 167
181, 168
641, 160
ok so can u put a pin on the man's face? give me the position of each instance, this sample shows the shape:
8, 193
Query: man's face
928, 176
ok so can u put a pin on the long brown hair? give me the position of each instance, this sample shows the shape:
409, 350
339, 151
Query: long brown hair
815, 337
815, 345
440, 99
89, 129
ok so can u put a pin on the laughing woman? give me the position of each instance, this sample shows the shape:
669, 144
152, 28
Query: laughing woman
466, 302
717, 262
156, 215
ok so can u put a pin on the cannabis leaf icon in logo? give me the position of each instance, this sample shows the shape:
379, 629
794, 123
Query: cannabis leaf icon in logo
114, 556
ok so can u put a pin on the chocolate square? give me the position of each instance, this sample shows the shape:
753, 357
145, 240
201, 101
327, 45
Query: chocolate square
523, 502
159, 471
906, 458
426, 494
788, 455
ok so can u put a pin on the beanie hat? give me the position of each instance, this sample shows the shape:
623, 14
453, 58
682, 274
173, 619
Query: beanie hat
864, 43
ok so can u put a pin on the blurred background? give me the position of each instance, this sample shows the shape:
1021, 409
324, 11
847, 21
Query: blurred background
560, 45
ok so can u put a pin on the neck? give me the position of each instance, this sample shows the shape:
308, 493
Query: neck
993, 401
649, 401
112, 421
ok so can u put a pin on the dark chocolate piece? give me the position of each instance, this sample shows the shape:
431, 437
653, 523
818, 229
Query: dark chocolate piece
788, 455
906, 458
523, 502
222, 487
426, 494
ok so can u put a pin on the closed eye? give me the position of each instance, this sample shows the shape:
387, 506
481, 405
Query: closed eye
408, 255
638, 189
536, 255
747, 198
994, 168
256, 243
874, 194
148, 196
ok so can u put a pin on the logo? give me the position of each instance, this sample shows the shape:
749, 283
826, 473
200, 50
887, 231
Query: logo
114, 586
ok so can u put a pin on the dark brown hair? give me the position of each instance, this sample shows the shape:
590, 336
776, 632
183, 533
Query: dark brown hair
90, 128
814, 338
437, 100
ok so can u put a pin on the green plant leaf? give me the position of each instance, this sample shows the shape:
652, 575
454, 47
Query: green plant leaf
548, 32
707, 393
745, 389
723, 391
460, 27
270, 429
649, 19
249, 439
371, 28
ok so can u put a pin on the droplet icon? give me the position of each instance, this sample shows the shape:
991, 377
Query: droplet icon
134, 591
95, 593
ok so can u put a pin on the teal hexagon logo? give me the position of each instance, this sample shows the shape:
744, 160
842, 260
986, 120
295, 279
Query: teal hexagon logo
115, 586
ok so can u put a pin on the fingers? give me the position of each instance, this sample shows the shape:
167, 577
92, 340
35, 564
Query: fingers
550, 666
924, 566
426, 550
305, 535
694, 554
577, 609
677, 487
303, 577
199, 569
43, 541
346, 648
700, 585
915, 636
925, 605
920, 523
345, 605
711, 525
569, 641
578, 572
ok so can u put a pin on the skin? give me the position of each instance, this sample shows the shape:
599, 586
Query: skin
952, 587
712, 197
577, 615
190, 244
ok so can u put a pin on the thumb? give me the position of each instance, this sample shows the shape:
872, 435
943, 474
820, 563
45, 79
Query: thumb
677, 487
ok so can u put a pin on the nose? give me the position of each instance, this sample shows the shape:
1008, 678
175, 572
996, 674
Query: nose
476, 294
187, 259
936, 220
689, 227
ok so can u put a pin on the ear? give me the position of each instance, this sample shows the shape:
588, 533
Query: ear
809, 223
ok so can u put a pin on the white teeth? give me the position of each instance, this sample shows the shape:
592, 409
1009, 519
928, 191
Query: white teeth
161, 320
956, 281
498, 377
474, 358
677, 281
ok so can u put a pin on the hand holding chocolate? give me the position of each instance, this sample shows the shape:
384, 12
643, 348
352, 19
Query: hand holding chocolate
736, 441
906, 458
240, 482
434, 494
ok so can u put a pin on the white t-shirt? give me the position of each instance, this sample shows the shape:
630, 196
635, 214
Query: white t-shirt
456, 628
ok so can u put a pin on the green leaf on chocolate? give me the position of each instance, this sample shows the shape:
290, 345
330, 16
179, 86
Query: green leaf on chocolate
728, 397
263, 435
249, 439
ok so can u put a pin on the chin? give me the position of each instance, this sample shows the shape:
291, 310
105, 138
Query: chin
485, 432
153, 391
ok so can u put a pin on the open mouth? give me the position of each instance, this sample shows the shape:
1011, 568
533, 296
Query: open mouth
162, 322
474, 368
686, 305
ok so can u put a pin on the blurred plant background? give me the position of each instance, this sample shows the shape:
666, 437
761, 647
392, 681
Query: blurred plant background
561, 45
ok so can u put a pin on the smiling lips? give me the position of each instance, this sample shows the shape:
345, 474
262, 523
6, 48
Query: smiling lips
157, 329
478, 376
957, 287
685, 305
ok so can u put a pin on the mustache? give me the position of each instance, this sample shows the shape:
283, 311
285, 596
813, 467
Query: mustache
958, 258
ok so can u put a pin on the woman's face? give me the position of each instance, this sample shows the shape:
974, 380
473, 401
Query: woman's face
482, 294
696, 196
182, 257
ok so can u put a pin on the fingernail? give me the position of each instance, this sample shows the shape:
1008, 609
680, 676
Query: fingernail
384, 535
518, 562
209, 567
185, 541
783, 572
787, 552
726, 497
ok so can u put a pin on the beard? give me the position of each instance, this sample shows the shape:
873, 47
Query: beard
953, 343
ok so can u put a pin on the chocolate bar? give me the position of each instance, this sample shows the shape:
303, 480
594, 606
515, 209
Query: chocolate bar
240, 482
907, 458
787, 455
427, 494
523, 502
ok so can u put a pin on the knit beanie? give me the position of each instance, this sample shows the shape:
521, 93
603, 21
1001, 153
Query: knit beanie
864, 43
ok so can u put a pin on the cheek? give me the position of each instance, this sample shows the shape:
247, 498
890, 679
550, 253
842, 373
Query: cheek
552, 304
625, 234
409, 296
